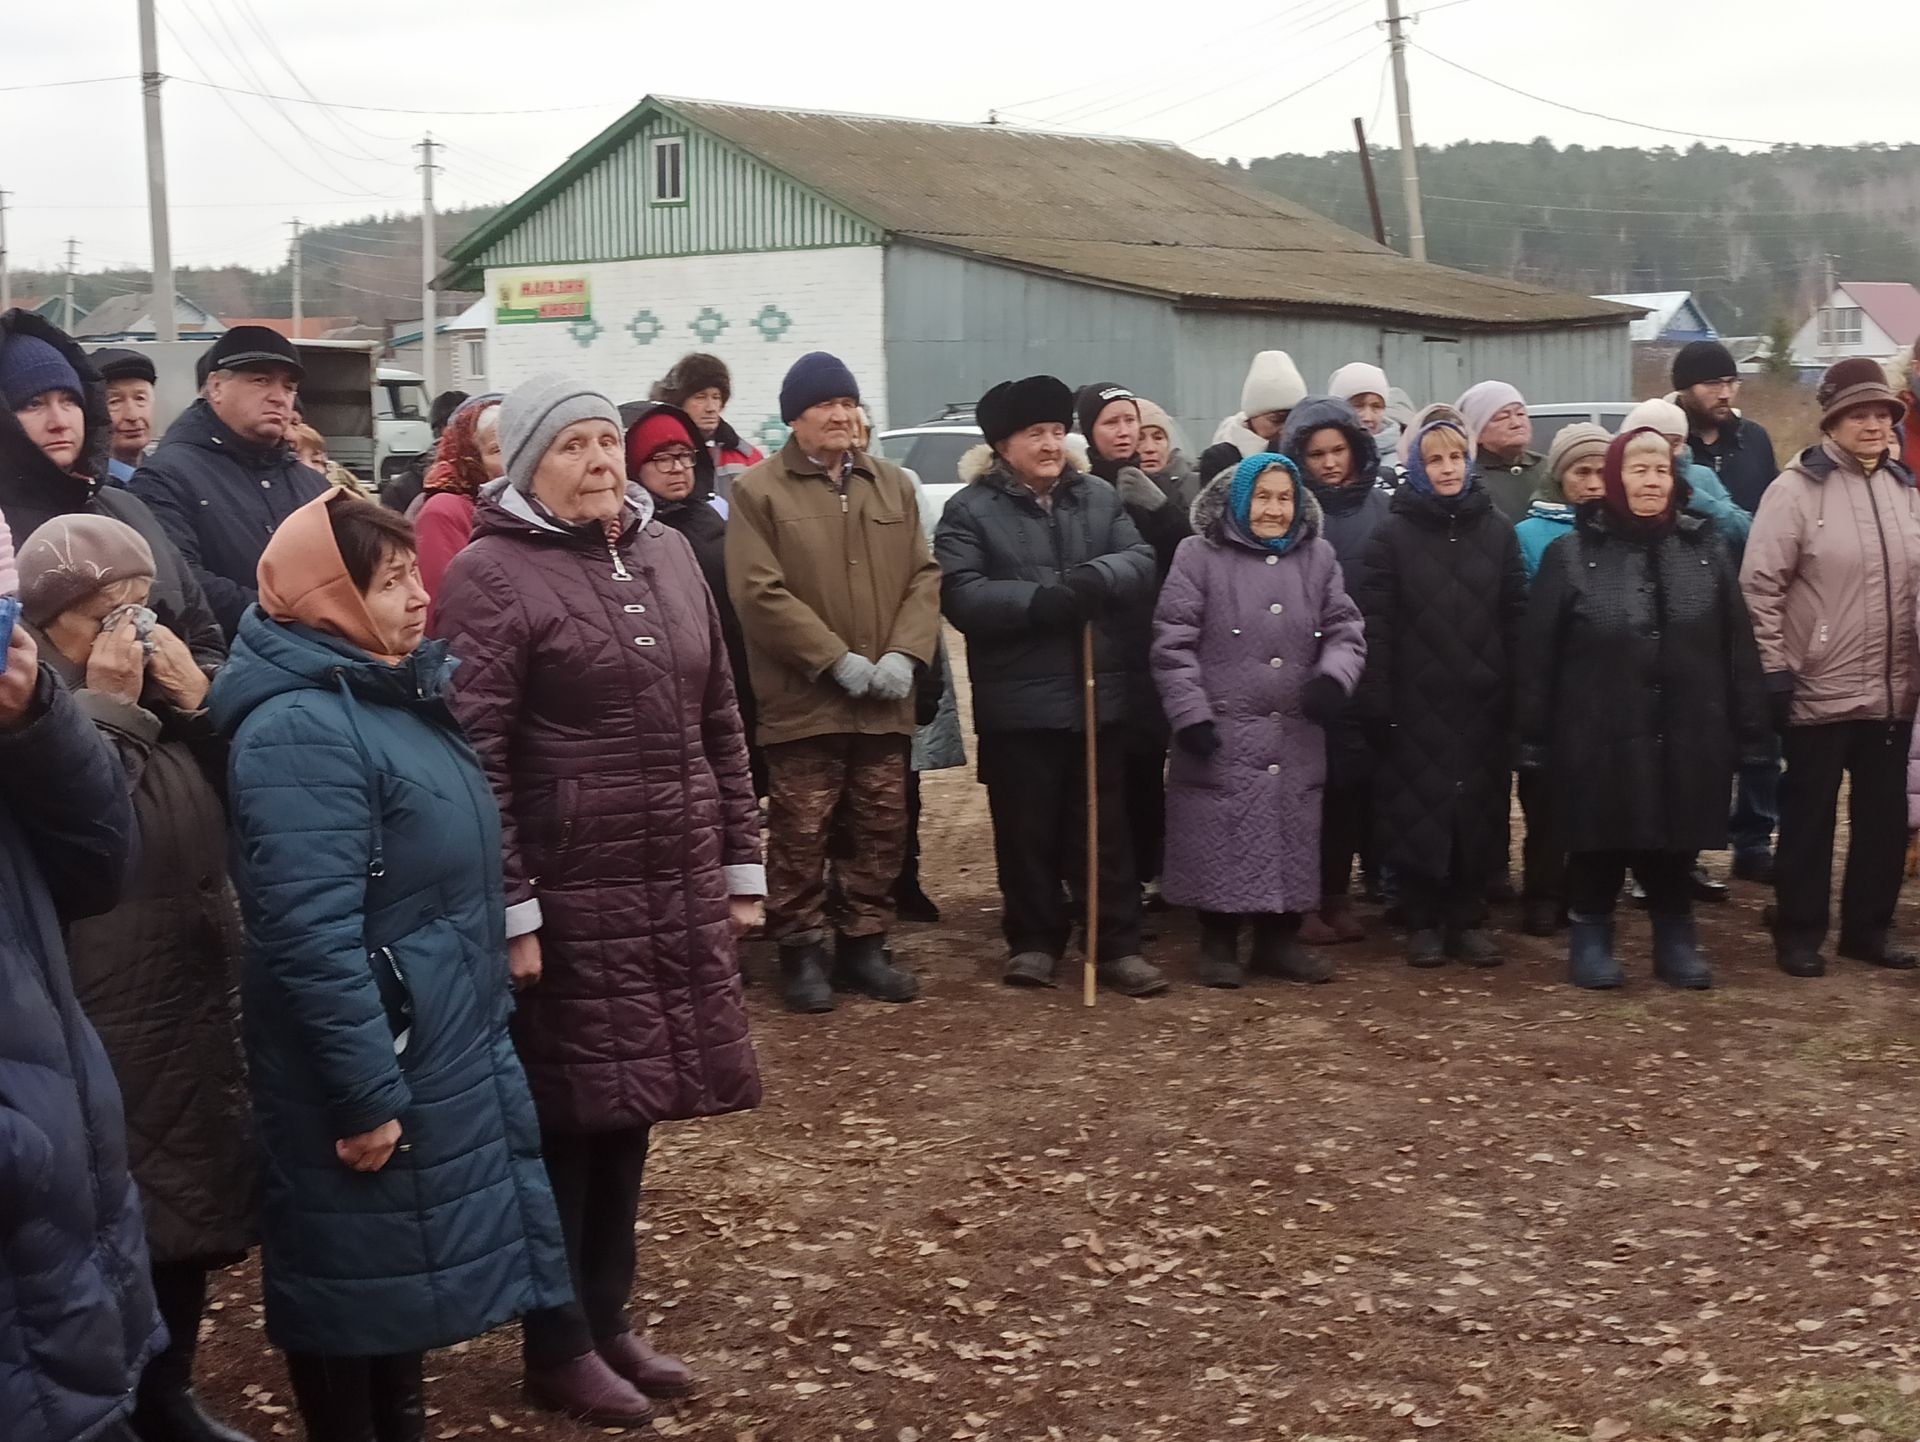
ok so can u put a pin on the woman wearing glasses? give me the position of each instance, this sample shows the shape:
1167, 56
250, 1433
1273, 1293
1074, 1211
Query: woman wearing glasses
668, 458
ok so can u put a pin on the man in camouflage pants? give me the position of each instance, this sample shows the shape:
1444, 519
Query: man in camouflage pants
839, 600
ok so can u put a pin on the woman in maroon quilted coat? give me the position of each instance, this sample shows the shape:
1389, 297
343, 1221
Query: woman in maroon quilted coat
594, 683
1256, 647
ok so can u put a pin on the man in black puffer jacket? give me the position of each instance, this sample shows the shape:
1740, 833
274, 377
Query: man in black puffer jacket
223, 478
36, 485
1031, 553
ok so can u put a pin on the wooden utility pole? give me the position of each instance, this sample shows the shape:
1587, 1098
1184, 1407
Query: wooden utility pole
1366, 173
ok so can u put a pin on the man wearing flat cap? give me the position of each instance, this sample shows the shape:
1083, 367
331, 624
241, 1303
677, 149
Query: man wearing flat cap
839, 602
1030, 552
129, 378
223, 477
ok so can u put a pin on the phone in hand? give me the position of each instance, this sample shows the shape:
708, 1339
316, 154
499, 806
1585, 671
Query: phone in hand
9, 618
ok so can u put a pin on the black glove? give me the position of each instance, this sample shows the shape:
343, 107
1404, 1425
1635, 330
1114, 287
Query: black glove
1780, 700
1201, 739
1089, 586
1054, 608
1322, 701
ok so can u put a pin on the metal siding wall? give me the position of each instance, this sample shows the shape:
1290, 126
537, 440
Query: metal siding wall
733, 204
955, 326
1215, 348
1589, 364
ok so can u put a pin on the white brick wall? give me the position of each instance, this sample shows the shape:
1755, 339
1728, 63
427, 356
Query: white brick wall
831, 300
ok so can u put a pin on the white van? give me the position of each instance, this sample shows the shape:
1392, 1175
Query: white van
400, 428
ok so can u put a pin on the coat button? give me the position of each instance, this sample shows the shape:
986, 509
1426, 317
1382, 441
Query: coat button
1276, 663
1273, 715
1273, 560
266, 485
1273, 771
635, 610
1236, 630
1276, 608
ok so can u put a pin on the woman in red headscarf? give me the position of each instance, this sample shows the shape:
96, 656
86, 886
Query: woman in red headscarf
1639, 692
468, 458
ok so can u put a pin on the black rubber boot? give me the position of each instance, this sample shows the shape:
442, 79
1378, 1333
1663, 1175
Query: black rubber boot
1425, 949
1279, 951
1591, 964
1220, 951
1473, 945
863, 964
1676, 953
803, 978
1798, 955
175, 1416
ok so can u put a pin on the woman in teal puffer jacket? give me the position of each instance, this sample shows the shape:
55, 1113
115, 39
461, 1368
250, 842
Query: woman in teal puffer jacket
405, 1203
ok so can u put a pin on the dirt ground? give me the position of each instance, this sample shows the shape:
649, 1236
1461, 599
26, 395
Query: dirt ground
1442, 1205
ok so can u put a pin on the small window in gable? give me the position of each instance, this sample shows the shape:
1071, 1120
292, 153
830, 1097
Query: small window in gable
669, 186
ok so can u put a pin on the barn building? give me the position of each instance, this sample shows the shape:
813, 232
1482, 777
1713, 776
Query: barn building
939, 258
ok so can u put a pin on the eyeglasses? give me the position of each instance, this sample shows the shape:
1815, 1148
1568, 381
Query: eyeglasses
672, 461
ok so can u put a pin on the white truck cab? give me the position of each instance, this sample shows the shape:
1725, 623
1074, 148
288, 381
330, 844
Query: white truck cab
400, 428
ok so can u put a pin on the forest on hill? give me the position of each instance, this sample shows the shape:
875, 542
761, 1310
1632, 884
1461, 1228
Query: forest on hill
1751, 234
367, 269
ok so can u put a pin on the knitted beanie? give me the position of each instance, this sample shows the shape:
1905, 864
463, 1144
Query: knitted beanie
76, 556
1273, 384
1095, 398
1583, 440
1358, 379
1657, 415
655, 433
1480, 404
1701, 361
814, 379
534, 414
1154, 416
30, 366
1856, 381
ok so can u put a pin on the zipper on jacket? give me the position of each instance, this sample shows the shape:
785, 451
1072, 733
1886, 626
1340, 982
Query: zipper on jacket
1886, 570
620, 572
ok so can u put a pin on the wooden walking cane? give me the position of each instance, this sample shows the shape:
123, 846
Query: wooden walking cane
1089, 978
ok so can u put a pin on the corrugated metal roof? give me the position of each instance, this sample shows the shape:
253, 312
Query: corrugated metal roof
1140, 214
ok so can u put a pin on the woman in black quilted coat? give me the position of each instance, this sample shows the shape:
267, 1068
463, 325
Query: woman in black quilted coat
1640, 691
1443, 589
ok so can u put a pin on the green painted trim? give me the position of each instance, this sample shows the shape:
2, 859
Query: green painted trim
465, 261
651, 259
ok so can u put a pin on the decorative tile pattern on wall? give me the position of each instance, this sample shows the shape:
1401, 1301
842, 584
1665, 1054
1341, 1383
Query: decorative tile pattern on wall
770, 308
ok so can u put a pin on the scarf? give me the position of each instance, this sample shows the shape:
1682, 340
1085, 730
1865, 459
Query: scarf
1639, 528
1246, 477
457, 467
1417, 478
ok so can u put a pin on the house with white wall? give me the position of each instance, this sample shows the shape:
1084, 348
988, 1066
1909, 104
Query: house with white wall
1871, 318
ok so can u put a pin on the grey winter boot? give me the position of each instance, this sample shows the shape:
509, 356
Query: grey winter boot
1132, 976
863, 964
1220, 951
1279, 951
803, 978
1591, 963
1676, 954
1030, 968
1425, 949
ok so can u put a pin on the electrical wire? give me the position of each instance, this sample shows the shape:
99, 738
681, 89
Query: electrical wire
207, 84
1592, 114
1274, 104
246, 12
61, 84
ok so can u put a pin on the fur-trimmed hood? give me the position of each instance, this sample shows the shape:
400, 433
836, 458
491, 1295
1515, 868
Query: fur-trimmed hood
1209, 513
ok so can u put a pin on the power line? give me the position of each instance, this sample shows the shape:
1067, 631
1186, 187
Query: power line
1592, 114
246, 13
206, 84
62, 84
1291, 94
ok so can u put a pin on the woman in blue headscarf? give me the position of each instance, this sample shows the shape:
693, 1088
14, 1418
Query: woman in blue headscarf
1256, 648
1443, 589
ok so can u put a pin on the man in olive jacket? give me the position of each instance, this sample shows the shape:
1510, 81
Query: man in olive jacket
839, 600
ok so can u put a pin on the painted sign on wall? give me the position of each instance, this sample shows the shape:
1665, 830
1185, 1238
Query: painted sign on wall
523, 297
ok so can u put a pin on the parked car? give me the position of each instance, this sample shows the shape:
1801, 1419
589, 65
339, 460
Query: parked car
932, 452
1549, 421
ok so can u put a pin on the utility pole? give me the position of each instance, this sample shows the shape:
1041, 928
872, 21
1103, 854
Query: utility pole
1409, 165
164, 325
1366, 173
6, 275
66, 311
298, 311
428, 266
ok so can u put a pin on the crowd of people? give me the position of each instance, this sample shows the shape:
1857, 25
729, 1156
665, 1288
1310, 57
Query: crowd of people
375, 876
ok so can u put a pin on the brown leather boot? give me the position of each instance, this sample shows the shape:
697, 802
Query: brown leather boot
1315, 930
1338, 914
653, 1372
588, 1390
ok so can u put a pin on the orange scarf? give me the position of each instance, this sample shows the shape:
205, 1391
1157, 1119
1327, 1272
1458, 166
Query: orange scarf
303, 578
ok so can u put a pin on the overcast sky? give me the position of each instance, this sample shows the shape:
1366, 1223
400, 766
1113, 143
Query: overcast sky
1206, 73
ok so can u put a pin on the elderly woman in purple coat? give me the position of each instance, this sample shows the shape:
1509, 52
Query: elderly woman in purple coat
1256, 647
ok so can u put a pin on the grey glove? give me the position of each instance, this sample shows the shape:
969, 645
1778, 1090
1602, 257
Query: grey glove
892, 677
853, 673
1137, 488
